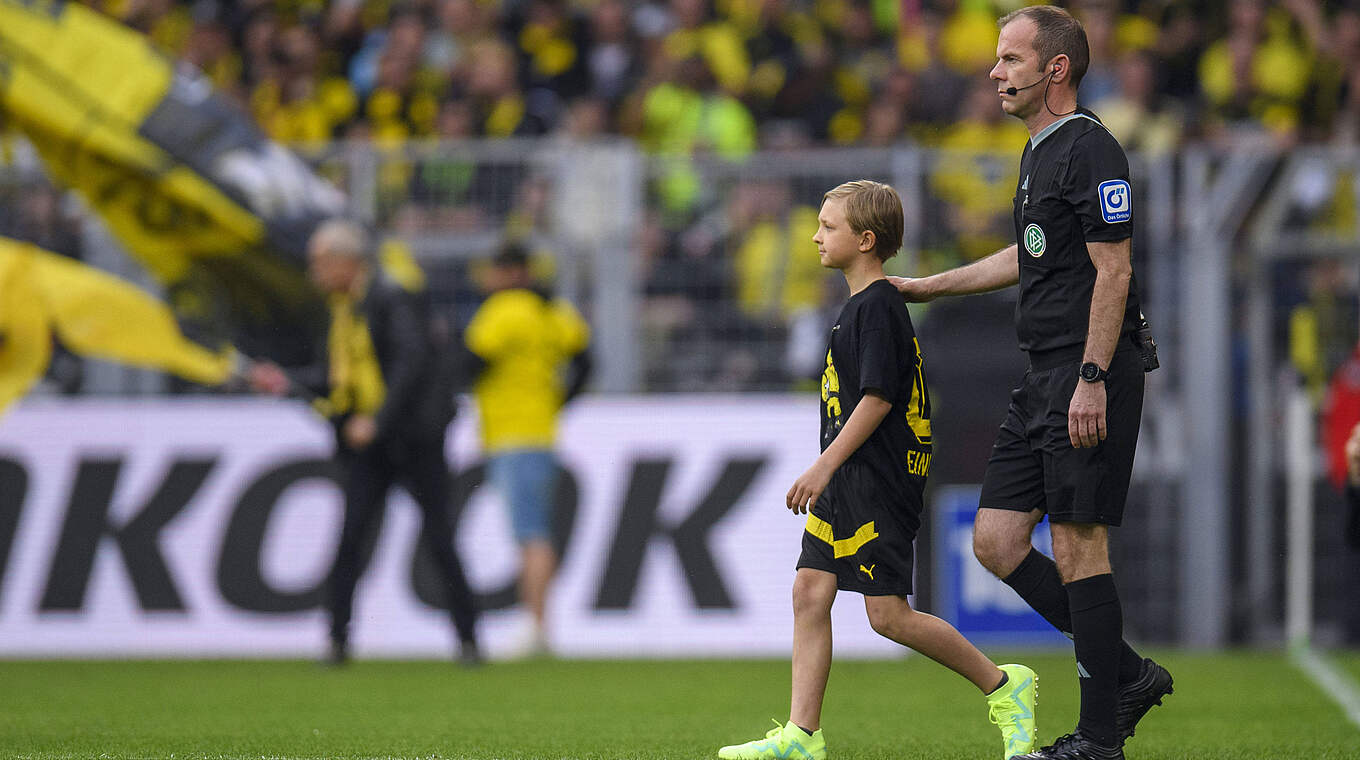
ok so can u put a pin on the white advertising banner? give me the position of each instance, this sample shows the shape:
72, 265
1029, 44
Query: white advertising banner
205, 528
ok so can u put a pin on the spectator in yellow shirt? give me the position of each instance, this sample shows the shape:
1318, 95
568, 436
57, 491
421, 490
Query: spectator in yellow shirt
534, 353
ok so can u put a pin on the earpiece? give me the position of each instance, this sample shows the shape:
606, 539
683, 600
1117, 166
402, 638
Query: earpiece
1013, 90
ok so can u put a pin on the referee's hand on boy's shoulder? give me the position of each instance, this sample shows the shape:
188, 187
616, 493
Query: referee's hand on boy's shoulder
912, 289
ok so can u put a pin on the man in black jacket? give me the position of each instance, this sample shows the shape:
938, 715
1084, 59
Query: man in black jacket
383, 386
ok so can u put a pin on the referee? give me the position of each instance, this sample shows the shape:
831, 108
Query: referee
1067, 445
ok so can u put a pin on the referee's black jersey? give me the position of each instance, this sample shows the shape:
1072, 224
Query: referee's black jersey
873, 345
1073, 189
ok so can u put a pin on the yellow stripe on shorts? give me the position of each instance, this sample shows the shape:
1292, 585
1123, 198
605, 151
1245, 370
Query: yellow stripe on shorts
842, 547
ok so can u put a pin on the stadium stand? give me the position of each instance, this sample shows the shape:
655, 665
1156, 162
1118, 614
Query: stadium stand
697, 83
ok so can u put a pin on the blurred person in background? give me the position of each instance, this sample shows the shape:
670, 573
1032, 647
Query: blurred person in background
1067, 446
341, 26
403, 101
935, 96
613, 61
684, 114
768, 233
773, 51
459, 24
688, 284
443, 190
1322, 321
256, 31
1340, 428
808, 95
552, 57
1136, 113
167, 23
1255, 77
209, 49
884, 124
1180, 40
698, 31
972, 176
533, 349
390, 398
294, 103
1099, 18
1353, 521
864, 60
967, 35
1334, 105
778, 284
500, 105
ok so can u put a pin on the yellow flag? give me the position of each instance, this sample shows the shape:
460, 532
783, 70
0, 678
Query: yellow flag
95, 314
217, 212
25, 333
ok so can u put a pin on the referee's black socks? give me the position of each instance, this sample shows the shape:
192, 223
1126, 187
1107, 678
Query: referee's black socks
1036, 580
1097, 632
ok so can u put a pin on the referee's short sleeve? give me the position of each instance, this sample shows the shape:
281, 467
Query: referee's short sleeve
1097, 187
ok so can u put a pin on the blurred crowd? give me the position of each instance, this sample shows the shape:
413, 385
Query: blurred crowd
733, 298
732, 75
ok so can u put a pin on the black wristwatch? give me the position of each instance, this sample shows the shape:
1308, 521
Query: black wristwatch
1092, 373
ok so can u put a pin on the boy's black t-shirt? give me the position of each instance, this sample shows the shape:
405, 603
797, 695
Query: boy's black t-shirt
874, 346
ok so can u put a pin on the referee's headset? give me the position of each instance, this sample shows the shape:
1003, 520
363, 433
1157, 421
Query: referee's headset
1045, 78
1014, 90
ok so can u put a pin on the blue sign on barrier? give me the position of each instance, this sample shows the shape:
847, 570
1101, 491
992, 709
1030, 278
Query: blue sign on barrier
978, 604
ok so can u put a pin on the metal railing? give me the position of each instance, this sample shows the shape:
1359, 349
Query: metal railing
698, 274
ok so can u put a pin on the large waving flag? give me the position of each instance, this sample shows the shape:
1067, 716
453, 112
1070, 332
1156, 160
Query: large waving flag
217, 212
95, 314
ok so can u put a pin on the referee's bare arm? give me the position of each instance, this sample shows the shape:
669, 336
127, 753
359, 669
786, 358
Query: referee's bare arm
1086, 423
997, 271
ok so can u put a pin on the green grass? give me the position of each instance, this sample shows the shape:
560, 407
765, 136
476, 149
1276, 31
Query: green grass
1349, 662
1241, 705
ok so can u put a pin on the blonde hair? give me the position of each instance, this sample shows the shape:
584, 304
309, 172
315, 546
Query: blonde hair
872, 207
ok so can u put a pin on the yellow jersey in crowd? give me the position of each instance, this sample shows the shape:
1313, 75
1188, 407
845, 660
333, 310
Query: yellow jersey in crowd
525, 340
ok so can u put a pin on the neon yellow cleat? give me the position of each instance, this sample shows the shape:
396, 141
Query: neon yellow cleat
780, 743
1011, 708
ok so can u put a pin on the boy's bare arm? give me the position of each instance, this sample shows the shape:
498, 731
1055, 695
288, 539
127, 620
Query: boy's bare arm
869, 412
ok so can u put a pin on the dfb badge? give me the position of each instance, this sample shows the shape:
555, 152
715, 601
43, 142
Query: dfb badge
1035, 240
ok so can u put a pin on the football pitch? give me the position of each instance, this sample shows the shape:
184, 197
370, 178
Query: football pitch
1229, 706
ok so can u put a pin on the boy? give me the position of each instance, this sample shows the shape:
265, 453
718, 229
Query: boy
863, 495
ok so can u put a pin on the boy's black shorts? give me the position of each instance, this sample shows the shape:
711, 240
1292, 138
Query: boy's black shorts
863, 532
1034, 465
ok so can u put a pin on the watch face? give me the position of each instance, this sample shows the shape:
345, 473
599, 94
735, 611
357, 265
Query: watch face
1089, 371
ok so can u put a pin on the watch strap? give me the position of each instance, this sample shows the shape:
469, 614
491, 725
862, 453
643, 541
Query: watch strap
1092, 373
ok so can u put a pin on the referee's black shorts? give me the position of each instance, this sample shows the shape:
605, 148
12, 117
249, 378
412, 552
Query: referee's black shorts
863, 532
1034, 465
